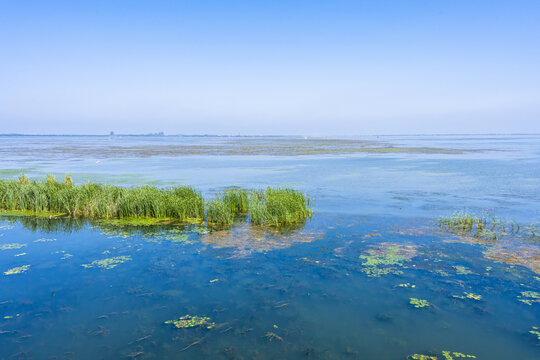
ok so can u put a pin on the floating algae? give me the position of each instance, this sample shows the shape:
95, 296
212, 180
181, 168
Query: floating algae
386, 259
529, 297
535, 332
419, 303
43, 240
421, 357
406, 285
12, 246
109, 263
17, 270
444, 355
188, 321
468, 296
462, 270
21, 254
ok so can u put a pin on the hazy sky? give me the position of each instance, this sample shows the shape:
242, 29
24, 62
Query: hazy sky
270, 67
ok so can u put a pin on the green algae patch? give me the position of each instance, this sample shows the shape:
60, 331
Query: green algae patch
535, 331
44, 240
419, 303
444, 355
468, 295
12, 246
17, 270
421, 357
462, 270
386, 258
406, 285
188, 321
529, 297
108, 263
448, 355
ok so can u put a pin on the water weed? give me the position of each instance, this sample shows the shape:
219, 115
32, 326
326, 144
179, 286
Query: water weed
278, 207
148, 205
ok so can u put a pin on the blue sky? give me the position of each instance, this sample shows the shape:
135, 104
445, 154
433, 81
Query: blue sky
270, 67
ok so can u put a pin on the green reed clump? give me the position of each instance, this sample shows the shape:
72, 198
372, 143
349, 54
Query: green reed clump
223, 210
219, 213
237, 200
100, 201
273, 207
278, 207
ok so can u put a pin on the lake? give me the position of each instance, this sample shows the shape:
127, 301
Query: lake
371, 275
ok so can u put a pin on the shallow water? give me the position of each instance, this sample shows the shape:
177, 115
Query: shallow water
309, 293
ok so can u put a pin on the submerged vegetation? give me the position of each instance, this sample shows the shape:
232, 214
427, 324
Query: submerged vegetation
149, 205
486, 227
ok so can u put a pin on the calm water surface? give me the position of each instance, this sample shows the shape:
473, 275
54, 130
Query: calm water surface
337, 288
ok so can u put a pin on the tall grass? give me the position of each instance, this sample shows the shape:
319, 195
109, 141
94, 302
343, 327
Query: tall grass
279, 207
100, 201
271, 207
223, 210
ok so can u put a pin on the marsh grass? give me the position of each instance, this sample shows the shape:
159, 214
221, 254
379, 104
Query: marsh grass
226, 208
147, 204
279, 207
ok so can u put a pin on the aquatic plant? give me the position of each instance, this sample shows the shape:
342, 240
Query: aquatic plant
445, 355
109, 263
448, 355
406, 285
535, 332
147, 205
279, 207
529, 297
43, 240
386, 259
12, 246
421, 357
219, 213
468, 296
462, 270
17, 270
485, 227
188, 321
419, 303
